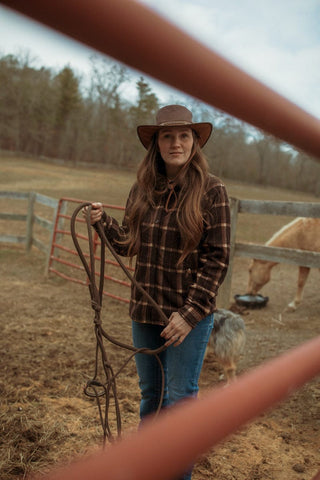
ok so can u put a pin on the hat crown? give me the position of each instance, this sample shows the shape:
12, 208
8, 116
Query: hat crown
173, 115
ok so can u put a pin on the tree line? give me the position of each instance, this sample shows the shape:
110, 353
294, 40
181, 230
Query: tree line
56, 114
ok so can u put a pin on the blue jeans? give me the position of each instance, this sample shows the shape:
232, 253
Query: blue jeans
182, 365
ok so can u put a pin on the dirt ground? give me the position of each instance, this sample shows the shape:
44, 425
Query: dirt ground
48, 354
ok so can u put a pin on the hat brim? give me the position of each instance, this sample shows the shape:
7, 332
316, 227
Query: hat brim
146, 132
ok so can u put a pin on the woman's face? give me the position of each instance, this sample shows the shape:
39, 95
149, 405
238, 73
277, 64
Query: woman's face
175, 145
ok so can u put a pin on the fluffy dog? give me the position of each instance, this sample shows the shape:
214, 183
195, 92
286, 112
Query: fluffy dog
227, 341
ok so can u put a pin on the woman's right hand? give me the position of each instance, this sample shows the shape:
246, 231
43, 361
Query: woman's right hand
95, 214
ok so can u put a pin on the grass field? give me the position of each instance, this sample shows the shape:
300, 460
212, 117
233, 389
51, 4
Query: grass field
112, 186
48, 346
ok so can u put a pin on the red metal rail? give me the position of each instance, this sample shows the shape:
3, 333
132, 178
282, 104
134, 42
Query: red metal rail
56, 245
137, 36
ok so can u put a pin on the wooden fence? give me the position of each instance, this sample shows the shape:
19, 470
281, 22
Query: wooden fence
255, 207
30, 218
263, 252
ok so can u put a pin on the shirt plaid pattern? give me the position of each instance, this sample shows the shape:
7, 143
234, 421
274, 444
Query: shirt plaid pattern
190, 288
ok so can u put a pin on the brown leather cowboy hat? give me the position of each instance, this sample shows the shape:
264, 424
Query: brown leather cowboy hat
174, 116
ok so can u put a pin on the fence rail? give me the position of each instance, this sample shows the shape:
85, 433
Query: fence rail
57, 247
294, 209
30, 218
238, 249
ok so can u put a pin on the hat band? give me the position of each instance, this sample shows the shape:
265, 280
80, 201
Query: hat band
176, 122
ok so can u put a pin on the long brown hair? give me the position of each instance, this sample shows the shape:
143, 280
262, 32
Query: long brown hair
152, 182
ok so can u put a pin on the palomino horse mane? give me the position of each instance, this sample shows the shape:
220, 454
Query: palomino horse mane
283, 230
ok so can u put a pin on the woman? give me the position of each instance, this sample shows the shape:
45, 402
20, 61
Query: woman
177, 223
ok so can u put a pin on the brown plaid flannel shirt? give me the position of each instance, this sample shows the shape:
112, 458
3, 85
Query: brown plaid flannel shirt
190, 288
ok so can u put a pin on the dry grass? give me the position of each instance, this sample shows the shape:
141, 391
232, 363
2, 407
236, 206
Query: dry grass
112, 186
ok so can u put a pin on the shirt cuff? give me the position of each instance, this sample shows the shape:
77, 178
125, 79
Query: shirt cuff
190, 315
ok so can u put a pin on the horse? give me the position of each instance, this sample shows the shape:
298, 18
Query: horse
302, 234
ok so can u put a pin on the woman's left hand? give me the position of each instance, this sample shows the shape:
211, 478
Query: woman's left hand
176, 331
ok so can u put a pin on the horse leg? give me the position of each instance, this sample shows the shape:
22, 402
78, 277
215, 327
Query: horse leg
302, 278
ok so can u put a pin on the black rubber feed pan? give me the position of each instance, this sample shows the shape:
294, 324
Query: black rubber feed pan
251, 301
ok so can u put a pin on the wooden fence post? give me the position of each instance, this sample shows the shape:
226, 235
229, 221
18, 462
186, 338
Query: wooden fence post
223, 299
30, 220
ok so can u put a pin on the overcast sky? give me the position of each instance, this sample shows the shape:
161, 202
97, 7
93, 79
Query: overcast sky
277, 41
